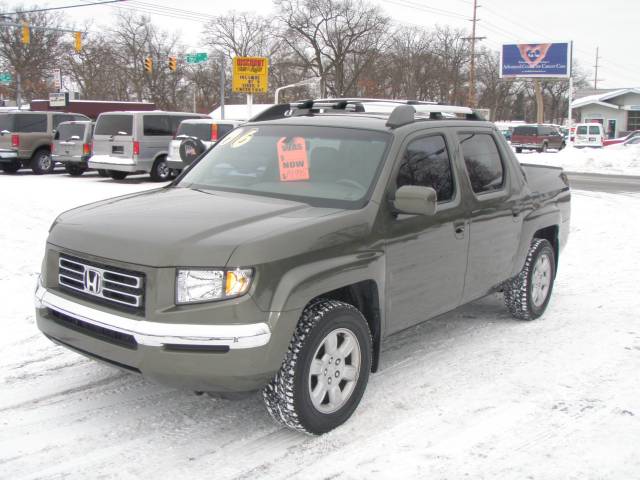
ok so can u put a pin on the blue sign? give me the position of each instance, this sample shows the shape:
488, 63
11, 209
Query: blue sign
536, 60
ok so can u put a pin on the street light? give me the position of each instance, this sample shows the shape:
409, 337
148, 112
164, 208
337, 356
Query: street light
298, 84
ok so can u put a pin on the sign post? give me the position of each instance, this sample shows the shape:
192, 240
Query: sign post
250, 75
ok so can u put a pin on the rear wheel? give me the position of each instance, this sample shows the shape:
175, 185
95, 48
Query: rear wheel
10, 167
117, 175
325, 371
74, 170
160, 172
527, 295
41, 162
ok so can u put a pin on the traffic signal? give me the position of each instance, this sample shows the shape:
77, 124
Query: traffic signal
148, 64
78, 41
26, 33
173, 64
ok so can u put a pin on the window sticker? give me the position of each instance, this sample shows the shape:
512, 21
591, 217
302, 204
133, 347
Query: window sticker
292, 159
232, 135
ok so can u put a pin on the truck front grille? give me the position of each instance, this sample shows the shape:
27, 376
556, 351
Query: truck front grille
113, 286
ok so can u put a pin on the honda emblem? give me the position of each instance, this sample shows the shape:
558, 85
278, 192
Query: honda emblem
92, 281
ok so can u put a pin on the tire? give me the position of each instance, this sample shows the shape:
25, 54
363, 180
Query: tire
103, 173
190, 149
562, 146
74, 170
41, 162
518, 149
522, 294
10, 167
288, 397
117, 175
160, 172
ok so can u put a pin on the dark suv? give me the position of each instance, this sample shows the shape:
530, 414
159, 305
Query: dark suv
537, 137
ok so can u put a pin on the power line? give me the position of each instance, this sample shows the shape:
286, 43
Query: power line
64, 8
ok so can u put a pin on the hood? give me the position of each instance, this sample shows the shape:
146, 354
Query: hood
176, 226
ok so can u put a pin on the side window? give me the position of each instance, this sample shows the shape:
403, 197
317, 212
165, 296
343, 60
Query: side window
544, 131
59, 118
426, 163
482, 160
80, 118
157, 125
30, 123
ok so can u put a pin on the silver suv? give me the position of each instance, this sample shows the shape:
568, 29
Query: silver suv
71, 146
135, 142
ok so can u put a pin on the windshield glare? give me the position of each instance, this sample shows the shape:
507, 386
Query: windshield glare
323, 166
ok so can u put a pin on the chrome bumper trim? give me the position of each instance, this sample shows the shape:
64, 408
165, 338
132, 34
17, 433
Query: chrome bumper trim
156, 334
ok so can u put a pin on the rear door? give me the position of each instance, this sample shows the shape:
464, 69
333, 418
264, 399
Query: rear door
113, 135
496, 211
68, 140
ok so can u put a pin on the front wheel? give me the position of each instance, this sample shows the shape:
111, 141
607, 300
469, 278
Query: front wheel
325, 370
160, 172
74, 170
117, 175
527, 295
42, 162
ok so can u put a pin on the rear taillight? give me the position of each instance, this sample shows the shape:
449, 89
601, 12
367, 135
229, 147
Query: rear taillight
52, 147
214, 132
86, 148
136, 148
15, 140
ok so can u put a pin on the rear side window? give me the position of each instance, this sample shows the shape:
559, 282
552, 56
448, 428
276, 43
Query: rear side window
7, 122
114, 125
525, 131
582, 130
67, 130
31, 123
483, 162
426, 163
157, 126
594, 130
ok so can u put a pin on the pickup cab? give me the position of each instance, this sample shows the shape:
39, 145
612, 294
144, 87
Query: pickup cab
283, 258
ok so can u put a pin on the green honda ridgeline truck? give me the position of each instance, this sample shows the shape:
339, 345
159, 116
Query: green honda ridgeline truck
286, 254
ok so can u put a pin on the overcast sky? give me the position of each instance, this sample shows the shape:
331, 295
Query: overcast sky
589, 24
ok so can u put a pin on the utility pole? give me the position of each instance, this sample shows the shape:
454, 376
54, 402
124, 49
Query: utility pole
222, 82
595, 79
472, 69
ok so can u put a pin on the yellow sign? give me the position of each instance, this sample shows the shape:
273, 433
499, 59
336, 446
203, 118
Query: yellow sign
250, 74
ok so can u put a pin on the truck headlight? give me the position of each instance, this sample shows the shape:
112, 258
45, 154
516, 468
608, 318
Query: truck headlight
206, 285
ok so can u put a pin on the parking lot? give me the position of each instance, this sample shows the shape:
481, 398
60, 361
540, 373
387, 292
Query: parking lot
472, 392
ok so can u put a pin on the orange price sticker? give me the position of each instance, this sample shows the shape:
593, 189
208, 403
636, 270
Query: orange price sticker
292, 159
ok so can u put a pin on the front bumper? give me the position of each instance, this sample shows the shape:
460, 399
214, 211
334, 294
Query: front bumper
218, 358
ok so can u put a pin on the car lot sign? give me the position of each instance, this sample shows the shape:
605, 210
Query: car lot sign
250, 74
536, 60
58, 99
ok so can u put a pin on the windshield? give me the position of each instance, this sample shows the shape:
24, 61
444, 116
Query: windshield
6, 122
67, 130
322, 166
114, 125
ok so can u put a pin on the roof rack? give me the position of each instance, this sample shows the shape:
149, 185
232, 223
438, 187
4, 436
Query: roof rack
400, 112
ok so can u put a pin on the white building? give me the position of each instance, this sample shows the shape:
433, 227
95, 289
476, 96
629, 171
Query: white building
618, 110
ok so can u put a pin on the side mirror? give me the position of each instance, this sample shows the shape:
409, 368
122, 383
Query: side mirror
415, 200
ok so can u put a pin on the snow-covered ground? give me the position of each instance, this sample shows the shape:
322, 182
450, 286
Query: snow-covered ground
472, 394
614, 159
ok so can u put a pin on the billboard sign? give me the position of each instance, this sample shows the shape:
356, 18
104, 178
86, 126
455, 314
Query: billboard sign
536, 60
250, 74
58, 99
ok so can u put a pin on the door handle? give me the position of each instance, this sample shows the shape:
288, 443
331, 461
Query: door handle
459, 230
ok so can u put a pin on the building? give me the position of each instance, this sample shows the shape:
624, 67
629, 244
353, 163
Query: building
617, 110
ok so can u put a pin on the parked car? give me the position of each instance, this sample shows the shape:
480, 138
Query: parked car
589, 135
537, 137
288, 253
135, 142
613, 141
194, 137
25, 139
71, 146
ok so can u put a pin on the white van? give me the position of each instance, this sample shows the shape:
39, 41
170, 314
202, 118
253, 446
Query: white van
133, 142
589, 135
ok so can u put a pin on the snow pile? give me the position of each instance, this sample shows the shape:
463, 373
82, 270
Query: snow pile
470, 394
615, 159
